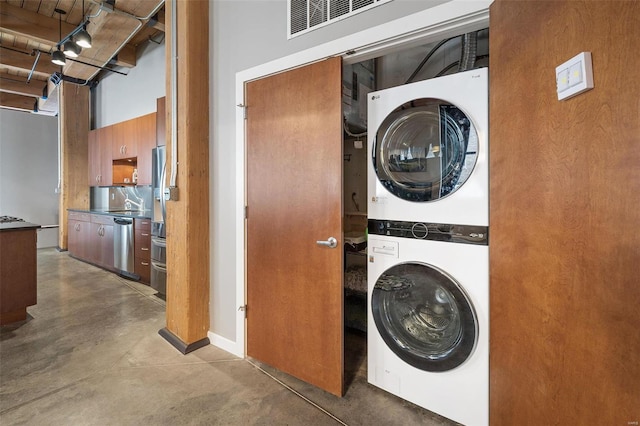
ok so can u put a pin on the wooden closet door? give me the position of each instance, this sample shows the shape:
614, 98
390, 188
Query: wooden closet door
294, 199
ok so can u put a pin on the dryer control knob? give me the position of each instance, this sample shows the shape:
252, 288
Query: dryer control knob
419, 230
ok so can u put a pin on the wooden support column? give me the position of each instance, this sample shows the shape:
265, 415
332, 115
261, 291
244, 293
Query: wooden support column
73, 120
188, 216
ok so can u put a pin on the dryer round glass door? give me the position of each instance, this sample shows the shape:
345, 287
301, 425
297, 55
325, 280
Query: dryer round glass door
424, 316
425, 150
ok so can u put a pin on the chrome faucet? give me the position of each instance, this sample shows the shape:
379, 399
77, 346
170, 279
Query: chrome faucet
128, 202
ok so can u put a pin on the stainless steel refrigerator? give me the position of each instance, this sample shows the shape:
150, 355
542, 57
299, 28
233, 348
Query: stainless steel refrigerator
158, 228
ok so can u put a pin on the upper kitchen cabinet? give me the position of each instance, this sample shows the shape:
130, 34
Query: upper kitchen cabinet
124, 144
100, 172
122, 151
161, 121
145, 136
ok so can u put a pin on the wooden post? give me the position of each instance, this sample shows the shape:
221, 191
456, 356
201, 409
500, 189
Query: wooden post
73, 119
188, 215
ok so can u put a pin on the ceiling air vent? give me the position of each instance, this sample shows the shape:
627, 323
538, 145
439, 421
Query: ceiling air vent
307, 15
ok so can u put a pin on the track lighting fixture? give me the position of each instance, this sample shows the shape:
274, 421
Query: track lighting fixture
72, 44
83, 39
58, 57
71, 49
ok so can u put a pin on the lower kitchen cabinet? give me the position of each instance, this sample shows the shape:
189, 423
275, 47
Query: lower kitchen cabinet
142, 244
101, 252
91, 240
79, 230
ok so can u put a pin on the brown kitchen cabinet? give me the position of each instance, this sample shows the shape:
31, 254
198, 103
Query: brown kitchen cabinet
142, 248
116, 150
91, 238
145, 134
100, 172
79, 229
18, 271
101, 241
161, 121
124, 144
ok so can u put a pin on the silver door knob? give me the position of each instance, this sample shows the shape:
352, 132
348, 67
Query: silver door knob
331, 243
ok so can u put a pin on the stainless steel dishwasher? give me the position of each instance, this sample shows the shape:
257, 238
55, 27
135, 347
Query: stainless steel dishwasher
123, 246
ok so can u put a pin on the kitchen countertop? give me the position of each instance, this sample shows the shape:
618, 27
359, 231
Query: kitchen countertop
146, 214
18, 226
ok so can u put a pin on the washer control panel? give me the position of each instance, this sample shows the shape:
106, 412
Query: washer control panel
466, 234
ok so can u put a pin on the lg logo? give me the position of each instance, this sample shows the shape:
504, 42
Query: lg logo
374, 97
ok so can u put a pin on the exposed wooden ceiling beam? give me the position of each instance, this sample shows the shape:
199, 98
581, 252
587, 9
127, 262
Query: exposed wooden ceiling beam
22, 22
12, 101
108, 32
25, 26
33, 89
25, 61
158, 24
126, 57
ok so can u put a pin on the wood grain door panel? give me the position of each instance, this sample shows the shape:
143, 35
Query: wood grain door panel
565, 208
294, 198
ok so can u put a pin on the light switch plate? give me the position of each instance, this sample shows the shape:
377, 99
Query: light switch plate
574, 76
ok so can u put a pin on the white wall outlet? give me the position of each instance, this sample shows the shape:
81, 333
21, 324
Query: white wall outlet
574, 76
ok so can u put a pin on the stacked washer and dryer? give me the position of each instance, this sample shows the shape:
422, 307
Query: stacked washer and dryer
428, 275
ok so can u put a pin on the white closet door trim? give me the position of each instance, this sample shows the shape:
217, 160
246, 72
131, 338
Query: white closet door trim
454, 17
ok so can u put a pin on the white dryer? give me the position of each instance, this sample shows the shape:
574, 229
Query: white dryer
428, 316
429, 149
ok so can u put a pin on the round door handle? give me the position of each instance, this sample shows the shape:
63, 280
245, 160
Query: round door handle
331, 242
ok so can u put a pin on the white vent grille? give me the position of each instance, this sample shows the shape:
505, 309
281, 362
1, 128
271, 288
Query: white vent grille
307, 15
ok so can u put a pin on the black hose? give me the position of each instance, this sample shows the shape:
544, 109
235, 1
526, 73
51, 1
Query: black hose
454, 64
426, 58
468, 51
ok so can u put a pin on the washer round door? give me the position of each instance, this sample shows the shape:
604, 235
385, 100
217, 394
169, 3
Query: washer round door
424, 316
425, 150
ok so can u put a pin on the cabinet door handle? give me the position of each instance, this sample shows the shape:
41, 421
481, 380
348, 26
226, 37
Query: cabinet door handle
144, 263
144, 248
144, 235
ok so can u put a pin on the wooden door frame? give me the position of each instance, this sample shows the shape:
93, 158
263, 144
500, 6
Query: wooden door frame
430, 25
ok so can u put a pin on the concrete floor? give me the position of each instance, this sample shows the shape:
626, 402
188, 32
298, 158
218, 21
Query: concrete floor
90, 354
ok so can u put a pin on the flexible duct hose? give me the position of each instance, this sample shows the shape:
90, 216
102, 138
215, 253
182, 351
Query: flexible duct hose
468, 52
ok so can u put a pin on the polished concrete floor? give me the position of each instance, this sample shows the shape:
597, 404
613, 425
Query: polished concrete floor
90, 354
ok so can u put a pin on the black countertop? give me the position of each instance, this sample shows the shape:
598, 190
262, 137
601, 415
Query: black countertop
136, 214
18, 226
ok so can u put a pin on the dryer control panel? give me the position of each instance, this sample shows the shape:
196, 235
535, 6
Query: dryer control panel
465, 234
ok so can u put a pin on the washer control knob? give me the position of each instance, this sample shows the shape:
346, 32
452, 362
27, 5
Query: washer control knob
419, 230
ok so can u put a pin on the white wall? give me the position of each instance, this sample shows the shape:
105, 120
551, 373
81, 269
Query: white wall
29, 170
261, 38
122, 97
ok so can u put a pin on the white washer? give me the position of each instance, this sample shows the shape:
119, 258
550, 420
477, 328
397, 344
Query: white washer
428, 316
429, 147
